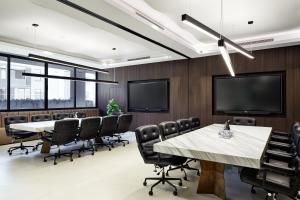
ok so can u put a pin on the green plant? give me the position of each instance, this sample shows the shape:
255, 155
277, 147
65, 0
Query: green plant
113, 107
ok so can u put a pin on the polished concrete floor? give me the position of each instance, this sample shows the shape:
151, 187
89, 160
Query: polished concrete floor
108, 175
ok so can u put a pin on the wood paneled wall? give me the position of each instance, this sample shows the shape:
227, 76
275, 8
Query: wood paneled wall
191, 85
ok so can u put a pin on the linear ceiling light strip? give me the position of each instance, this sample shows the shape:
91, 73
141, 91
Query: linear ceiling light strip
61, 62
86, 11
226, 56
213, 34
69, 78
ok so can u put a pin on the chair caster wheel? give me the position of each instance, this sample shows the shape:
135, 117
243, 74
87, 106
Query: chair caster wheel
185, 178
71, 159
127, 142
79, 155
253, 191
167, 174
26, 152
145, 183
10, 153
198, 173
180, 183
181, 169
93, 153
55, 163
109, 149
175, 193
45, 160
123, 145
150, 193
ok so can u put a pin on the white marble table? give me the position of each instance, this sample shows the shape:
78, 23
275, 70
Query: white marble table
245, 148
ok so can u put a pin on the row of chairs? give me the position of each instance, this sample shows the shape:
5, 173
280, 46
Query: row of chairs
280, 172
147, 136
64, 131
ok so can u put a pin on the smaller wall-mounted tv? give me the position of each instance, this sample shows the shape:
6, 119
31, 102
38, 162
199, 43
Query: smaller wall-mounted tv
148, 95
250, 94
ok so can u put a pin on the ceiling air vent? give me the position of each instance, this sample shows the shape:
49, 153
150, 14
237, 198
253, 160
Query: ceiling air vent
140, 58
256, 42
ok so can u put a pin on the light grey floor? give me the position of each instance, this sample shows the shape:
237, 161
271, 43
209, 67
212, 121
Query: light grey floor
116, 174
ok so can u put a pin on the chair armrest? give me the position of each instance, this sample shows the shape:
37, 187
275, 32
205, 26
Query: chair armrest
281, 133
279, 169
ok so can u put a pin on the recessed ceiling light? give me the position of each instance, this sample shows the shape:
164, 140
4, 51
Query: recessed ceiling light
250, 22
35, 25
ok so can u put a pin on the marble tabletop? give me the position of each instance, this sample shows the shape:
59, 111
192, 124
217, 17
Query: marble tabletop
36, 127
245, 148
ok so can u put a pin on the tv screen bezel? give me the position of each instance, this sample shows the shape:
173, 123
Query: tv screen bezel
145, 110
282, 113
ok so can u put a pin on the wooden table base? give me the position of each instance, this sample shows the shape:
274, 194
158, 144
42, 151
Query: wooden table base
46, 147
212, 180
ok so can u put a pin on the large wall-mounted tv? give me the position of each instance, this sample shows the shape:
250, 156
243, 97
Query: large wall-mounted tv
148, 95
250, 94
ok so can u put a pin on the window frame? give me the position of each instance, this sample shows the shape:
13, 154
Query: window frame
46, 63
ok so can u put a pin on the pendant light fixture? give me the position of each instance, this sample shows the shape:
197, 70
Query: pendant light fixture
225, 55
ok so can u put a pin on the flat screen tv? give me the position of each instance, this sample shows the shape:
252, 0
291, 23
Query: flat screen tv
148, 96
249, 94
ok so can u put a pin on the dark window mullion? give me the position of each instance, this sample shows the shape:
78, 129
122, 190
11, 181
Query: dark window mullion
75, 96
46, 87
8, 84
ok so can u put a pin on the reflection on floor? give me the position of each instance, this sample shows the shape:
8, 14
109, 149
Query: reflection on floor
108, 175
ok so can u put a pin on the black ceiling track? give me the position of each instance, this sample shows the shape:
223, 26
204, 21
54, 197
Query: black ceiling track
86, 11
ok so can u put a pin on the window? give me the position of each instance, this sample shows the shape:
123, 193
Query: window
85, 91
3, 83
60, 92
26, 92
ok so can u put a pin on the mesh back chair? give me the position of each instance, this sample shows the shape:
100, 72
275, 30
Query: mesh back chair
123, 125
245, 121
169, 129
89, 130
184, 125
195, 123
60, 116
107, 130
278, 174
17, 134
146, 137
65, 132
40, 118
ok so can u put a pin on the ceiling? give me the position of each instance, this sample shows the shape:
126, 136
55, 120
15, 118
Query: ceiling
77, 37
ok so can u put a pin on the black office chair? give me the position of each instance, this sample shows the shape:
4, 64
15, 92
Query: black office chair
284, 137
60, 116
40, 118
169, 129
184, 126
245, 121
65, 132
78, 114
17, 134
107, 129
195, 123
146, 137
89, 130
279, 174
123, 125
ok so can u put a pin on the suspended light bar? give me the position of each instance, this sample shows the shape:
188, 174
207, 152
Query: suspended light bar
69, 78
65, 63
225, 56
213, 34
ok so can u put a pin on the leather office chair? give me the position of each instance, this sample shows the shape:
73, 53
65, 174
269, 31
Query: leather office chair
107, 130
40, 118
89, 130
284, 137
146, 137
184, 125
17, 134
195, 123
60, 116
169, 129
123, 124
279, 174
65, 132
246, 121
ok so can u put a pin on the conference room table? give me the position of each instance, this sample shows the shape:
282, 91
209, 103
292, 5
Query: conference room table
38, 127
245, 149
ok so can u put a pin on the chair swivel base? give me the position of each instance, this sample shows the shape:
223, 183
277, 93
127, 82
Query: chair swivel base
183, 167
58, 155
22, 147
83, 149
163, 179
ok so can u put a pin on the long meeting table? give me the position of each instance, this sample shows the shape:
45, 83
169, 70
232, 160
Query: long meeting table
37, 127
245, 149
